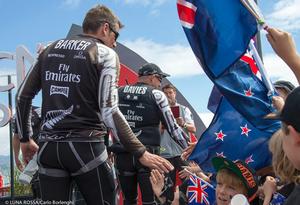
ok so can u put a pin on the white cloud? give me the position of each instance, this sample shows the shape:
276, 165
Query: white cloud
71, 3
285, 15
176, 60
277, 69
206, 117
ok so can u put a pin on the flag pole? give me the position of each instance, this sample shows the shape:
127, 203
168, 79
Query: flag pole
265, 76
208, 184
258, 41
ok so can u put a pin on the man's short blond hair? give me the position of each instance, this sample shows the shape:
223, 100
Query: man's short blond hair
98, 15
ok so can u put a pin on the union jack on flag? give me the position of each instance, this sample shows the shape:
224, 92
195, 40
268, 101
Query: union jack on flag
200, 192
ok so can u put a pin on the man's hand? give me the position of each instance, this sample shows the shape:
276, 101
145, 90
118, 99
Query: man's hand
153, 161
19, 164
28, 150
187, 151
16, 148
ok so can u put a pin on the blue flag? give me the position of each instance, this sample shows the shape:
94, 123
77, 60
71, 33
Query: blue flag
200, 192
230, 135
278, 199
218, 31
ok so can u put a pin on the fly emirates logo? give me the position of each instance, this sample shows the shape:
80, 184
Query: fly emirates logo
62, 75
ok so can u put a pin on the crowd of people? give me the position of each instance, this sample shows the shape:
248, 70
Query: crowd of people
82, 105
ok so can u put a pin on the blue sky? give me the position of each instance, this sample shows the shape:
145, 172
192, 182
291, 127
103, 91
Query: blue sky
152, 30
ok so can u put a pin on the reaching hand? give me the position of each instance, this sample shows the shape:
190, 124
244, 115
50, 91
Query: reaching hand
28, 150
157, 183
187, 151
284, 46
153, 161
278, 102
192, 168
282, 43
269, 189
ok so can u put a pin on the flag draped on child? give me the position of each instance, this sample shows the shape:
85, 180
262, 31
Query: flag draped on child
219, 33
200, 192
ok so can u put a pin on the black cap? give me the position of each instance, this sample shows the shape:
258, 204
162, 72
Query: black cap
286, 85
150, 69
242, 171
290, 113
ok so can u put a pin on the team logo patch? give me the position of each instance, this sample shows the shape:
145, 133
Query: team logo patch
59, 90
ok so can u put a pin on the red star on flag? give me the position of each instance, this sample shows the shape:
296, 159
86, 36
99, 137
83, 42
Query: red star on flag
249, 159
248, 92
220, 135
245, 130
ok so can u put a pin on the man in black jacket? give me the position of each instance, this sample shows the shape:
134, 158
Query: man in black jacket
144, 107
78, 79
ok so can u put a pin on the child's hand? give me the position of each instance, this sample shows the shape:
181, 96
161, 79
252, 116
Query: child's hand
269, 186
157, 183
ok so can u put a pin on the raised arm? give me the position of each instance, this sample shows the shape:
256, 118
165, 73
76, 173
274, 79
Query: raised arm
173, 128
284, 46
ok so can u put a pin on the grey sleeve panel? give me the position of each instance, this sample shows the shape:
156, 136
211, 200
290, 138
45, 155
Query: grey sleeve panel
176, 132
108, 101
26, 92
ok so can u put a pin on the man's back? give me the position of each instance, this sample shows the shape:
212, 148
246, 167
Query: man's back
139, 107
70, 73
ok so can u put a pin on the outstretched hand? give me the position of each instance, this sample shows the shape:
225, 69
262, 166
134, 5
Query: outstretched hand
278, 102
282, 43
154, 161
157, 183
187, 151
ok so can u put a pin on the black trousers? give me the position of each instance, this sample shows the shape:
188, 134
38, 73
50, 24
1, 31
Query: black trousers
59, 163
131, 173
177, 162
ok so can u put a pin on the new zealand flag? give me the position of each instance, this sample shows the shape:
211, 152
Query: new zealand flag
219, 33
199, 192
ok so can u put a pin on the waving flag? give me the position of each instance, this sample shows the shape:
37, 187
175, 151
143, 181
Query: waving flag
219, 33
200, 192
230, 135
278, 199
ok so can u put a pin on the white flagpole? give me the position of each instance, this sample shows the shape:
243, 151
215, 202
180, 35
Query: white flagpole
262, 70
208, 184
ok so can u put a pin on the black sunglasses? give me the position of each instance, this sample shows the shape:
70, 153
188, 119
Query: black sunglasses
114, 31
159, 77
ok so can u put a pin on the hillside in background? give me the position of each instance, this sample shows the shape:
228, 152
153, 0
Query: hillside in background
5, 168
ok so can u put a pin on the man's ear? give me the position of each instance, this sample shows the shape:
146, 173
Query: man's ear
294, 134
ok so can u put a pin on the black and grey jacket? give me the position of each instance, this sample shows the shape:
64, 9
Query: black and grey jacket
145, 108
78, 78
